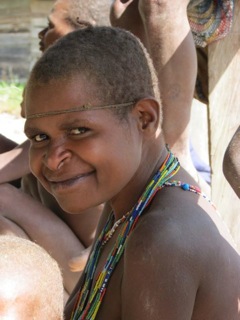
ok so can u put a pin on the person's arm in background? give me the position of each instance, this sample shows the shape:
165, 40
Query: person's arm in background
14, 163
6, 144
164, 29
231, 162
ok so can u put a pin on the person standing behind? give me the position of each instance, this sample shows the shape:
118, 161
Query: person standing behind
171, 32
164, 29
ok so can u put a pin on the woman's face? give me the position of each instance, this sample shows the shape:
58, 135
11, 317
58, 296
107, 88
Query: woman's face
83, 158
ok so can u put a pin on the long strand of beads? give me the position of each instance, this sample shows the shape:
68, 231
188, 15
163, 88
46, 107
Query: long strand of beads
110, 233
89, 300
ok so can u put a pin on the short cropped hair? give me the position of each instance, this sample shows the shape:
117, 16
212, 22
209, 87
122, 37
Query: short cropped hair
95, 12
111, 59
23, 259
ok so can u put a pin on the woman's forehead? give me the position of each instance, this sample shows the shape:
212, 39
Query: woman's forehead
65, 96
59, 95
78, 109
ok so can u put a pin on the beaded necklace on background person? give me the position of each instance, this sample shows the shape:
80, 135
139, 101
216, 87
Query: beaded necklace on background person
88, 302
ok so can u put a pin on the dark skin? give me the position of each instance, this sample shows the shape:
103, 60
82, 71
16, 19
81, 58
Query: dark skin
6, 144
196, 285
128, 17
181, 229
57, 25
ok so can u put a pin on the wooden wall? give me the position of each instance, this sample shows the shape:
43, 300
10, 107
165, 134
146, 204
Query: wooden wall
224, 118
20, 22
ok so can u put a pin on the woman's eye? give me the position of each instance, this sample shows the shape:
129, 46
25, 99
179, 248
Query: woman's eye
40, 137
78, 131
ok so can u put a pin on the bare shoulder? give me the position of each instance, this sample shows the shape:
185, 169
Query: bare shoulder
167, 233
160, 261
179, 245
181, 223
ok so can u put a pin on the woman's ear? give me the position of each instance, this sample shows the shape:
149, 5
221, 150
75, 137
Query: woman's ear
148, 114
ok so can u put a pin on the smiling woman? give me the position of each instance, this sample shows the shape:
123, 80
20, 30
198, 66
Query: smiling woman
113, 151
68, 154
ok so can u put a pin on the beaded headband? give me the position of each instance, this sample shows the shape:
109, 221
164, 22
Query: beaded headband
76, 109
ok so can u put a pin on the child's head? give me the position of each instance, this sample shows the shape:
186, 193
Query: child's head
69, 15
31, 282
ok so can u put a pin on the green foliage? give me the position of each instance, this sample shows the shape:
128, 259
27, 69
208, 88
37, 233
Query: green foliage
10, 97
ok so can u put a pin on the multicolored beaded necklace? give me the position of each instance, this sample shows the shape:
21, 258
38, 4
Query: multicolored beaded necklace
188, 187
89, 301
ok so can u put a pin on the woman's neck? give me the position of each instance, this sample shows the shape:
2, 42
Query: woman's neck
128, 197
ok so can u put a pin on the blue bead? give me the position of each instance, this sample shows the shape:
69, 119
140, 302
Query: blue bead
185, 186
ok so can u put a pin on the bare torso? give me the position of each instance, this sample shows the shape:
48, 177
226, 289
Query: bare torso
185, 266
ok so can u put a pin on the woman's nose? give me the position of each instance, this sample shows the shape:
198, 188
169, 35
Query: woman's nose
56, 157
42, 33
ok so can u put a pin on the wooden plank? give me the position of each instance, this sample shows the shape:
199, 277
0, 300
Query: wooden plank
13, 5
20, 22
224, 116
39, 11
41, 7
14, 39
14, 56
14, 16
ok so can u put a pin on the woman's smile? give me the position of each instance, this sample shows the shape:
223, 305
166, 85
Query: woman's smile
64, 184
